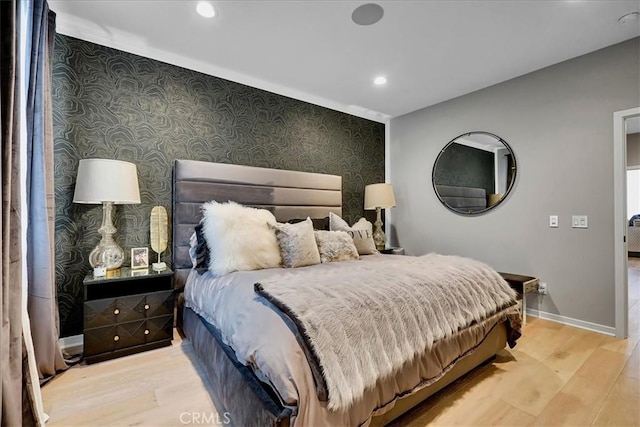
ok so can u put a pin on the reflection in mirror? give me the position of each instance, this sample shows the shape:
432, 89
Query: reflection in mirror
474, 173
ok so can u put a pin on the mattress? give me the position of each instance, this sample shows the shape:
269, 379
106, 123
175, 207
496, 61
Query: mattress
263, 339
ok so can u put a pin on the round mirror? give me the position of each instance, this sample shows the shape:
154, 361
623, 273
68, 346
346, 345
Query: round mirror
474, 173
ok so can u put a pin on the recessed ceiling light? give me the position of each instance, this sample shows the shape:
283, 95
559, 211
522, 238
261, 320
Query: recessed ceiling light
204, 8
367, 14
629, 18
380, 80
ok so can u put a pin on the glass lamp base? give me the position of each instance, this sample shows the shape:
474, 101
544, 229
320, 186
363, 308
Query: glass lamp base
108, 255
379, 239
378, 235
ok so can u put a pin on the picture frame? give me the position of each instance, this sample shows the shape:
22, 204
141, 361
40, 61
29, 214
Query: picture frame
139, 258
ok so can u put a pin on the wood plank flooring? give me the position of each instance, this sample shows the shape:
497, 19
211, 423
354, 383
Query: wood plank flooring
556, 376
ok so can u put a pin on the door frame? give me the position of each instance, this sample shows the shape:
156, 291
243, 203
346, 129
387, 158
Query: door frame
620, 219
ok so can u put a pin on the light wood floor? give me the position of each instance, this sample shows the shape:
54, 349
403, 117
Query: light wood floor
556, 375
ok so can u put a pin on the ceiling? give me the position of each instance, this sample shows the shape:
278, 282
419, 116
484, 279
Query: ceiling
430, 51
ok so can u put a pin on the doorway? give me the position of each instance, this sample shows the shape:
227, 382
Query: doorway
620, 122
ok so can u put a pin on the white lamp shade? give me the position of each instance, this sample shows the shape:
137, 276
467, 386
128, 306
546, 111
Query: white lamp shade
379, 196
102, 180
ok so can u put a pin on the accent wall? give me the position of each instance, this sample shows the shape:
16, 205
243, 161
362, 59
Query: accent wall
115, 105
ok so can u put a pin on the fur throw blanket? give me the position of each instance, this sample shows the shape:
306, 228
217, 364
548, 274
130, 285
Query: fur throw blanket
367, 323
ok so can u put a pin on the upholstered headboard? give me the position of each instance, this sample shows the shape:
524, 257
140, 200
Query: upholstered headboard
287, 194
463, 199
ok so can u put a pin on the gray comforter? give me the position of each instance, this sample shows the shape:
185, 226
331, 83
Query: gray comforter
263, 341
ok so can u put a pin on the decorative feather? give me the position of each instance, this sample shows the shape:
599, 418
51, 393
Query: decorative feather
158, 230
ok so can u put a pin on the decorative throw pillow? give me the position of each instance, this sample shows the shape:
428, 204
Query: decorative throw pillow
361, 232
297, 244
239, 238
335, 246
193, 244
199, 250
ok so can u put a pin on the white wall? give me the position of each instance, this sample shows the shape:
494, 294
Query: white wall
559, 122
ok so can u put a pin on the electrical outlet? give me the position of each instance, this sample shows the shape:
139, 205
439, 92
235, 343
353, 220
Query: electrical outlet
542, 288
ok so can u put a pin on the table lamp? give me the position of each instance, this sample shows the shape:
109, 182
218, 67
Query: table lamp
108, 182
379, 196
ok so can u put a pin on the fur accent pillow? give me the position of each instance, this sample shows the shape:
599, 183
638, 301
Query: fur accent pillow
335, 246
297, 244
361, 232
239, 238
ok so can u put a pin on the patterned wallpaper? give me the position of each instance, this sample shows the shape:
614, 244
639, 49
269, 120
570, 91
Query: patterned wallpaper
112, 104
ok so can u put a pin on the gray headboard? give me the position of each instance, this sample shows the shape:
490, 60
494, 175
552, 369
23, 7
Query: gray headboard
287, 194
463, 199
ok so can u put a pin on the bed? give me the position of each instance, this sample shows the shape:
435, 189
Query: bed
246, 388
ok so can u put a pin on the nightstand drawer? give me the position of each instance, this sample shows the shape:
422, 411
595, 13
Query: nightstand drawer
110, 311
123, 335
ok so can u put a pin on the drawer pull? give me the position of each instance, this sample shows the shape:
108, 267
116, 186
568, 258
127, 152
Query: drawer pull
146, 306
116, 338
116, 311
146, 332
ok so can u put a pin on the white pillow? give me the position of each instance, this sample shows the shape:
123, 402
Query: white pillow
239, 238
297, 244
361, 232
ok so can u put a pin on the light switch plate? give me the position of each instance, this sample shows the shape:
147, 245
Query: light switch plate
580, 221
553, 221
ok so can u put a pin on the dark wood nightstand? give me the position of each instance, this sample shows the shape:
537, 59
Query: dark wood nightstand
523, 285
392, 251
127, 312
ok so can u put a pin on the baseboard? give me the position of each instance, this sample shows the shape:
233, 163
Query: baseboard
594, 327
72, 345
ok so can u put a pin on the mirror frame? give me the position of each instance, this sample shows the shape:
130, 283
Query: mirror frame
510, 184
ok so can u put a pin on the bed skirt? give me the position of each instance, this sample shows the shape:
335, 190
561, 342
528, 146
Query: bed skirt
238, 395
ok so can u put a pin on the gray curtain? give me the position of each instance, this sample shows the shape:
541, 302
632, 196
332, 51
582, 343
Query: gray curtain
18, 394
41, 303
17, 408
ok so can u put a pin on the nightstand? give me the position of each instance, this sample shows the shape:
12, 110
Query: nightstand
127, 312
523, 285
392, 251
